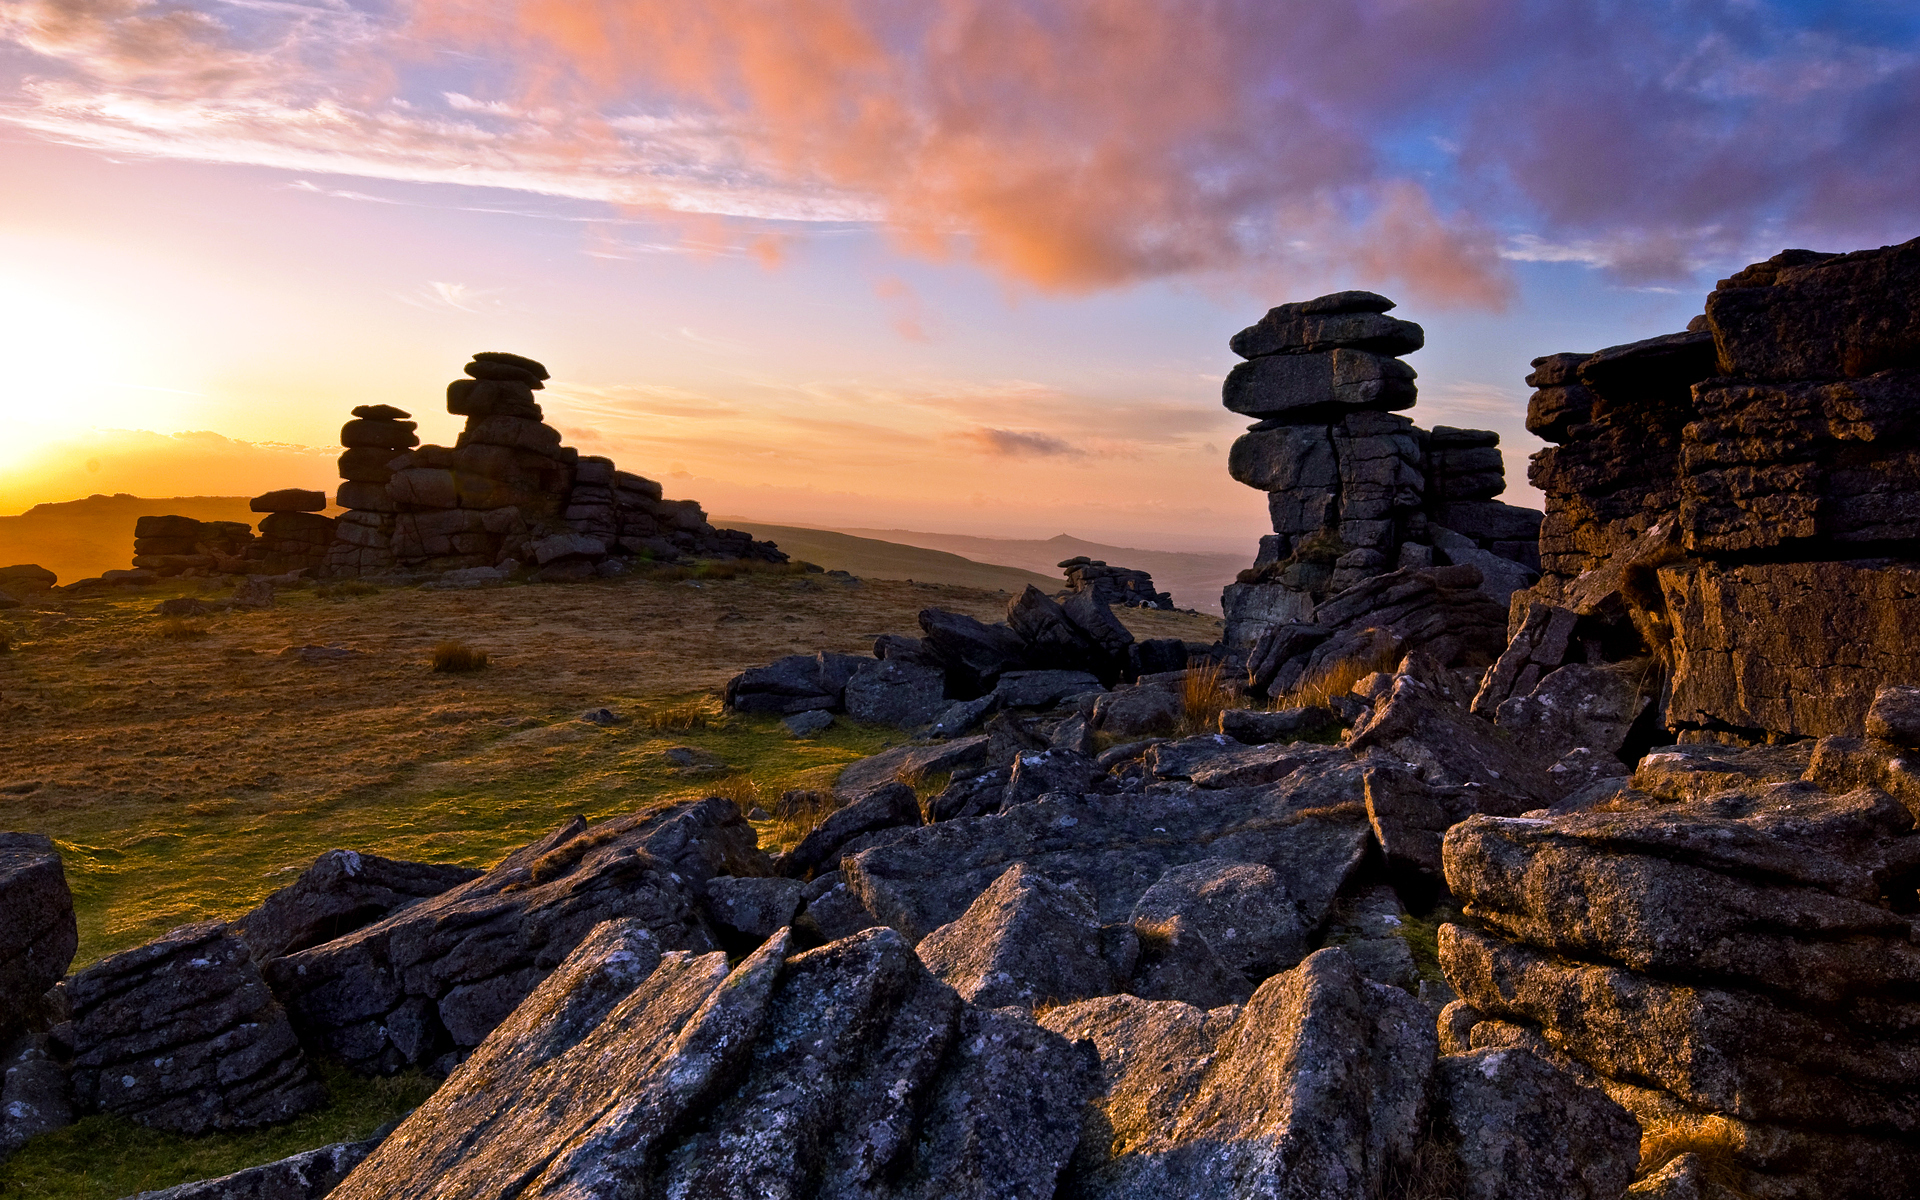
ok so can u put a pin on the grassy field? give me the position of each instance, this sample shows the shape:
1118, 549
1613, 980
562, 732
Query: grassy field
872, 558
186, 768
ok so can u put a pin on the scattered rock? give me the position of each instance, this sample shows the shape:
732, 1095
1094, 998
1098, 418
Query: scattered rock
890, 806
751, 909
602, 717
806, 724
895, 692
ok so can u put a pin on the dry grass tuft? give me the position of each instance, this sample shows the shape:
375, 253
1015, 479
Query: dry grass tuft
698, 713
455, 656
796, 813
1714, 1140
1156, 936
739, 788
1433, 1173
180, 627
1333, 681
344, 589
1207, 693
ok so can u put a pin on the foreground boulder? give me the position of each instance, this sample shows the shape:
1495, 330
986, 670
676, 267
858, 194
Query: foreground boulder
1525, 1130
37, 931
181, 1034
435, 977
1318, 1087
845, 1071
1731, 947
1024, 941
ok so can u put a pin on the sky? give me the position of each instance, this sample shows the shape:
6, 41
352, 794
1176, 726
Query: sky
967, 266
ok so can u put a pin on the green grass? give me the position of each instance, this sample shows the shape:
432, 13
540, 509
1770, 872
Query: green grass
105, 1157
135, 876
1422, 935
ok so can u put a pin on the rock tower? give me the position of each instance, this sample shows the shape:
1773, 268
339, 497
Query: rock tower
1354, 489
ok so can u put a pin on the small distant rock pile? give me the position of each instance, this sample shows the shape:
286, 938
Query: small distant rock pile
508, 493
1355, 490
1113, 585
169, 546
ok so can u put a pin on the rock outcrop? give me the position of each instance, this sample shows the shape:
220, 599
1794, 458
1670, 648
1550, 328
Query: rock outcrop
1740, 501
309, 1175
1355, 490
342, 891
434, 977
1729, 951
508, 493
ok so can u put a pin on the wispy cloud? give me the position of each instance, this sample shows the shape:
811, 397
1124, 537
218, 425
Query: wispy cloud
458, 297
1068, 144
1014, 443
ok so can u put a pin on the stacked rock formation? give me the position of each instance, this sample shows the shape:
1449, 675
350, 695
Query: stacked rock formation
1113, 585
169, 545
508, 492
1355, 490
1741, 500
293, 535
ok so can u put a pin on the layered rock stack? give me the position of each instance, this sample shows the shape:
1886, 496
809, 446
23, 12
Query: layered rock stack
1741, 501
293, 535
171, 545
1355, 490
508, 492
1113, 585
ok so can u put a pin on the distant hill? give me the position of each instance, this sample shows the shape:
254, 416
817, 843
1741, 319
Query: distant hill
876, 559
78, 538
1193, 578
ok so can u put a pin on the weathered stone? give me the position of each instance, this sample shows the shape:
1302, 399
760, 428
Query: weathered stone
439, 974
1290, 329
1579, 706
34, 1096
1118, 845
1175, 961
846, 1071
1803, 315
1309, 385
895, 692
181, 1034
751, 909
911, 762
1894, 715
1317, 1088
1133, 711
1796, 648
342, 891
887, 807
1245, 911
380, 434
38, 934
1522, 1130
785, 685
974, 654
292, 500
806, 724
1258, 726
1026, 940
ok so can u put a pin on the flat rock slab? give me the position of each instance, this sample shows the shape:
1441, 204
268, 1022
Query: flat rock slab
181, 1034
1119, 846
912, 761
438, 975
847, 1071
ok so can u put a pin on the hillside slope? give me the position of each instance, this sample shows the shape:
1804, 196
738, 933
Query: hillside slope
872, 558
78, 538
